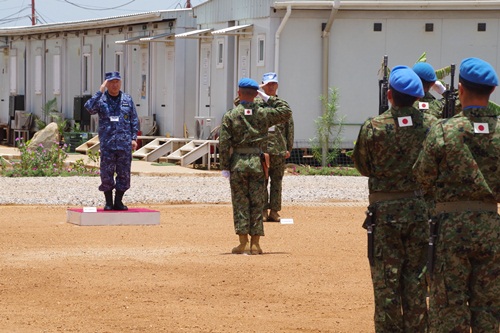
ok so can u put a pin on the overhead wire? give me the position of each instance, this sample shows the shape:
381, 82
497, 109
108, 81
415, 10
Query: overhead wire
98, 8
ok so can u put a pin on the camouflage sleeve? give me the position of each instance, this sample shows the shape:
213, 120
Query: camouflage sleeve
278, 112
361, 154
426, 167
225, 143
93, 105
134, 121
289, 134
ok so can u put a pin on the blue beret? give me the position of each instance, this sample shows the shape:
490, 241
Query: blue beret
478, 71
425, 71
112, 76
248, 83
406, 81
269, 77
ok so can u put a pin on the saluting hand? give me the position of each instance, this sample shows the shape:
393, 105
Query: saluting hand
104, 85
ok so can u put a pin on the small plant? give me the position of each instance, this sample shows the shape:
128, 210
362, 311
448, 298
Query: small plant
306, 170
51, 113
44, 162
326, 146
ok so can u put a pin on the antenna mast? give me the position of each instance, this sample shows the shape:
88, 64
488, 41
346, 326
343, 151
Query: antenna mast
33, 15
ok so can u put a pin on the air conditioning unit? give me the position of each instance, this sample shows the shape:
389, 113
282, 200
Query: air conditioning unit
80, 114
147, 125
15, 103
203, 126
22, 120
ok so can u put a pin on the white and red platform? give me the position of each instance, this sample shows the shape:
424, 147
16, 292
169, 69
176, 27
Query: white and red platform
132, 216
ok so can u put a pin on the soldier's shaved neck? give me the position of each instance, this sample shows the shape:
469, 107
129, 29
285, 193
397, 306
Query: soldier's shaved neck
247, 94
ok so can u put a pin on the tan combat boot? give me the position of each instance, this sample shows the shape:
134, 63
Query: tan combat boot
244, 246
254, 245
264, 215
274, 216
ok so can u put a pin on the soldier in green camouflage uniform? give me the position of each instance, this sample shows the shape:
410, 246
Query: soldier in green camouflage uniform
429, 104
460, 165
386, 148
243, 134
279, 146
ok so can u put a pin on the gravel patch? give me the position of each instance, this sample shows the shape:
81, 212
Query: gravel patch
83, 191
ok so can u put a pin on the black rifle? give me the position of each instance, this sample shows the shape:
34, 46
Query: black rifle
450, 96
431, 249
383, 86
370, 231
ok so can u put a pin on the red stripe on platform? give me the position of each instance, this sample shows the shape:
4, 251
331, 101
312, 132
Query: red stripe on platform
130, 210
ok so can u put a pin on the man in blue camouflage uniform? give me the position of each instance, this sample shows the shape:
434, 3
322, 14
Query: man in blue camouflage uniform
429, 104
460, 166
243, 135
279, 146
118, 127
385, 151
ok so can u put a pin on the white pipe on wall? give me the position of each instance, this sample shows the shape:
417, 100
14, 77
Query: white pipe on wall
277, 38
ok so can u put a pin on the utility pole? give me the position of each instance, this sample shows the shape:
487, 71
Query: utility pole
33, 15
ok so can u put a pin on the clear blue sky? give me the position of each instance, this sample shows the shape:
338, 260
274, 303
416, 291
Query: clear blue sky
15, 13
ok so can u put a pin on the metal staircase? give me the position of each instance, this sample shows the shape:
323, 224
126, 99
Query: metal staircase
192, 151
92, 145
159, 147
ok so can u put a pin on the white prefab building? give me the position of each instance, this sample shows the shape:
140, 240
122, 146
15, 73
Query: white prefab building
183, 65
317, 45
68, 61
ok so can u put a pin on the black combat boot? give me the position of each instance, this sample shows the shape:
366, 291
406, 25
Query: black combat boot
118, 201
109, 200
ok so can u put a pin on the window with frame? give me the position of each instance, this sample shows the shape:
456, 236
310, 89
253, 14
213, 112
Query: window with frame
86, 75
118, 61
261, 50
220, 53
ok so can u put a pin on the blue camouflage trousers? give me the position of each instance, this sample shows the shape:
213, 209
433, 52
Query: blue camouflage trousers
276, 173
247, 196
115, 161
465, 290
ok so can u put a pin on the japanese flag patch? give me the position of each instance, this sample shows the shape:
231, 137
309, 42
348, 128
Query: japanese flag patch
405, 121
423, 105
248, 112
481, 128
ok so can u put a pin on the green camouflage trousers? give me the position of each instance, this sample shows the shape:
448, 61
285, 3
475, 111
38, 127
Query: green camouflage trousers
247, 196
398, 273
465, 291
276, 173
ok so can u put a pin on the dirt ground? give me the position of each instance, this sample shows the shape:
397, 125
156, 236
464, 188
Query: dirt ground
180, 276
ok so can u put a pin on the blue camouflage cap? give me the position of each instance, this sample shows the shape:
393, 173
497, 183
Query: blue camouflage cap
112, 76
425, 71
248, 83
478, 71
406, 81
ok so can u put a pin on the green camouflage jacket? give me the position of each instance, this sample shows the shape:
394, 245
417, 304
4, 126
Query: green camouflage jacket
435, 107
387, 147
246, 126
460, 159
280, 139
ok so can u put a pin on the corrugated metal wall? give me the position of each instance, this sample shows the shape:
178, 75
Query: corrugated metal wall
230, 10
